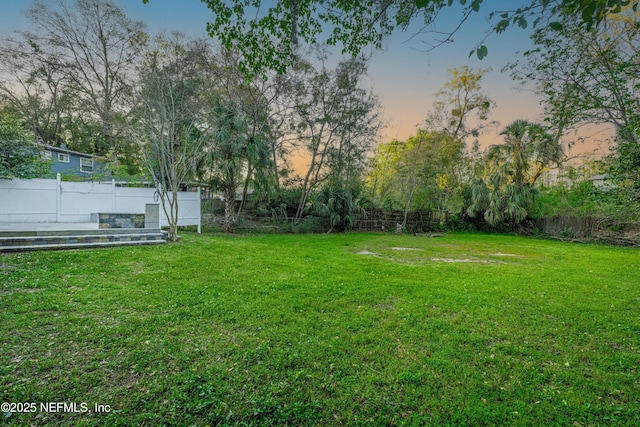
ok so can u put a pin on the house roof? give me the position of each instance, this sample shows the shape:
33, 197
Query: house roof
599, 177
65, 150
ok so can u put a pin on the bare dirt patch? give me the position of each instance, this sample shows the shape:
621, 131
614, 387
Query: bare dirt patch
366, 252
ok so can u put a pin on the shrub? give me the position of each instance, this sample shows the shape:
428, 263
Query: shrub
339, 203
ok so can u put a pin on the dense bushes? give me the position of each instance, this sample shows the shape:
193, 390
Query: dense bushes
585, 199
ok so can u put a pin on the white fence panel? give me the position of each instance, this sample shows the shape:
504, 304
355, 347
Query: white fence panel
78, 200
51, 200
188, 209
28, 200
129, 199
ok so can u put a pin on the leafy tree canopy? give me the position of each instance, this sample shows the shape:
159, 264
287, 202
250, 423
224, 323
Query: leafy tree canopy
461, 109
19, 156
415, 173
268, 36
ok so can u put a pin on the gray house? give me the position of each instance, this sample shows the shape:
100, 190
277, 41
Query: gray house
72, 163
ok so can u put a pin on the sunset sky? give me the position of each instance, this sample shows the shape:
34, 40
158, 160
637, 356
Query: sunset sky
404, 75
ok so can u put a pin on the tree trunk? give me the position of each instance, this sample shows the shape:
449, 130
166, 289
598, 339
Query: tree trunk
245, 188
229, 207
173, 224
276, 175
170, 208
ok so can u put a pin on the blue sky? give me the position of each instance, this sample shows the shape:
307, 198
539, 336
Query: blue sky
407, 74
404, 75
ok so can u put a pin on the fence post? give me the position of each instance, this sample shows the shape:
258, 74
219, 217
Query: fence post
58, 197
199, 211
113, 196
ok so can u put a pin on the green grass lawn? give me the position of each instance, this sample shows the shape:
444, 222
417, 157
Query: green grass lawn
355, 329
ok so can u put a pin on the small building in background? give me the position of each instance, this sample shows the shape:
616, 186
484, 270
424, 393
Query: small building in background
601, 181
72, 164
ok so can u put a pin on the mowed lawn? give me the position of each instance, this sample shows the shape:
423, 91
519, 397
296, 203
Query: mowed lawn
354, 329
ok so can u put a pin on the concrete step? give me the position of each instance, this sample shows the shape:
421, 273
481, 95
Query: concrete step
79, 232
95, 245
44, 240
93, 238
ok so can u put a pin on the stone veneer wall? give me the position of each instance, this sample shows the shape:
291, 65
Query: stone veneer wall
120, 220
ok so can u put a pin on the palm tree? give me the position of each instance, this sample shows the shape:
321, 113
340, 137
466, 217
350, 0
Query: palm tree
528, 150
506, 192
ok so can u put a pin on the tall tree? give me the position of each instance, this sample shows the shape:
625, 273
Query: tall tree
336, 122
592, 77
238, 155
587, 77
169, 124
35, 88
419, 173
252, 105
380, 179
224, 158
461, 109
233, 155
93, 46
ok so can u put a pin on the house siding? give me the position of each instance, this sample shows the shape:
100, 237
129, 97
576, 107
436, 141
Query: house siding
73, 167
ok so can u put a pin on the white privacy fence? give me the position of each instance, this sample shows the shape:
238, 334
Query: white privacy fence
52, 200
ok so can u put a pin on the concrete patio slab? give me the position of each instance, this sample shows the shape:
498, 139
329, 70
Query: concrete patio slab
47, 226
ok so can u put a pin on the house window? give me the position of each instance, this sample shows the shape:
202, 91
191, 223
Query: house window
64, 158
86, 165
46, 154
